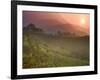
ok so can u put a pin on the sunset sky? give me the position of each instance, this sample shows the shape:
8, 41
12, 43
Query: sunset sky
52, 22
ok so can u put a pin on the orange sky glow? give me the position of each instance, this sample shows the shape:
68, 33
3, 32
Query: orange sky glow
48, 20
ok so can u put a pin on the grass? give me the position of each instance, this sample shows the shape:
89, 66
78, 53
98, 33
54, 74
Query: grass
41, 50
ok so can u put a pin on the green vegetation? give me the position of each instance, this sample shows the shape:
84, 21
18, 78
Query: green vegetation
41, 50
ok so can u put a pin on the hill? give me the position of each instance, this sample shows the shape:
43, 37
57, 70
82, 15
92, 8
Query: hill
41, 50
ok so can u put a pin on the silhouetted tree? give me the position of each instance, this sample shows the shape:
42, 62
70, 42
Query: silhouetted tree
32, 27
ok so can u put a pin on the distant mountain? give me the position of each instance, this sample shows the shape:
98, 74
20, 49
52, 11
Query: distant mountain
66, 30
70, 30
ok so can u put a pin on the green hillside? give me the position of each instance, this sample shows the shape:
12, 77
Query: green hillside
42, 50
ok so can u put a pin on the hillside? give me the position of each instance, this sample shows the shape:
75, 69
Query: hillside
42, 50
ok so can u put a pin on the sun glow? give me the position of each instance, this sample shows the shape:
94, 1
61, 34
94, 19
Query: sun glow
83, 21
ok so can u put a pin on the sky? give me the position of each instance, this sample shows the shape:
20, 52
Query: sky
53, 22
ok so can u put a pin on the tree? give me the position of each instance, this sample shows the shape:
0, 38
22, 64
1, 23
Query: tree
32, 27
